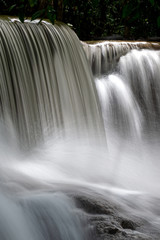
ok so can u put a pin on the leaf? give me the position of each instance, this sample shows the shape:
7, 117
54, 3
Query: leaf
131, 12
21, 14
65, 2
158, 21
52, 18
95, 3
38, 14
12, 7
51, 14
135, 17
32, 3
152, 2
125, 11
21, 6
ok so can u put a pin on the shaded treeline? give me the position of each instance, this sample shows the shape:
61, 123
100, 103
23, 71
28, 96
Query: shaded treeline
92, 19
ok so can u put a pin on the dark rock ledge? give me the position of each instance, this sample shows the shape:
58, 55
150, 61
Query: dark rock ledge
110, 221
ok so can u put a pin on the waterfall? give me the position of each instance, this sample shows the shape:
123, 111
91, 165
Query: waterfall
130, 103
103, 56
141, 73
45, 82
48, 105
121, 111
130, 95
40, 217
88, 114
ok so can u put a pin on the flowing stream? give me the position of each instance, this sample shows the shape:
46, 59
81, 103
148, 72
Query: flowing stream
62, 126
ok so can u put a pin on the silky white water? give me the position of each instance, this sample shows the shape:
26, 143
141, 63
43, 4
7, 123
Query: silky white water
62, 129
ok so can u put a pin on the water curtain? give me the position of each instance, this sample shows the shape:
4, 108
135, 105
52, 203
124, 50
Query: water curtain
46, 84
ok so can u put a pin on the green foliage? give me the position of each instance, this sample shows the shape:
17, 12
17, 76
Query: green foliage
51, 15
25, 8
158, 21
21, 12
12, 7
152, 2
131, 19
32, 3
92, 19
141, 17
38, 14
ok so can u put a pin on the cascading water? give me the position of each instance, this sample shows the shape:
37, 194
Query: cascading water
45, 82
103, 56
130, 106
40, 217
143, 78
51, 105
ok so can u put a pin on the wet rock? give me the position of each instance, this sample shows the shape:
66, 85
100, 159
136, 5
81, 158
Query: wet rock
94, 205
106, 227
111, 221
128, 224
112, 230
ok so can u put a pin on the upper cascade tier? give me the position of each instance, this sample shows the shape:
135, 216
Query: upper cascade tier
46, 84
103, 56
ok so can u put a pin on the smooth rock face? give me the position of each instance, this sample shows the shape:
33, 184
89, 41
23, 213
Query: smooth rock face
110, 221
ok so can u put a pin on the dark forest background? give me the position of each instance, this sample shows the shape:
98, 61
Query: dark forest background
94, 19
